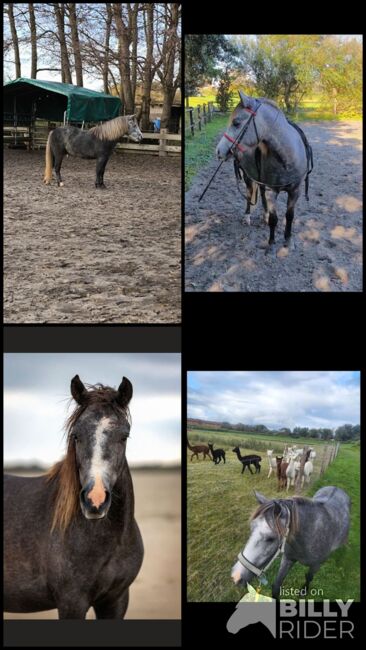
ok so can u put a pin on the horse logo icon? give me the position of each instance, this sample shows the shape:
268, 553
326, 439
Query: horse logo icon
253, 608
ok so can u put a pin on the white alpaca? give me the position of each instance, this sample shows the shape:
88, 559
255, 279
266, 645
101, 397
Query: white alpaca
291, 472
308, 470
313, 454
271, 461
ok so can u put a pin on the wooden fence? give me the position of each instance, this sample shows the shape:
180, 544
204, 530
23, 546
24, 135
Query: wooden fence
167, 144
197, 117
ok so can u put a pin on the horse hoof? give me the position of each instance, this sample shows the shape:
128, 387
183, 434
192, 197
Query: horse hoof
289, 243
270, 250
60, 184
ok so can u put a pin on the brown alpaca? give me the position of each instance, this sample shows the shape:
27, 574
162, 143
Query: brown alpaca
281, 472
199, 449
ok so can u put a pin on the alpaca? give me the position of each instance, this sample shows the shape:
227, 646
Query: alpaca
199, 449
217, 454
248, 460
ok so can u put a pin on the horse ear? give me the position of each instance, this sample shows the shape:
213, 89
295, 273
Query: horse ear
244, 99
260, 498
78, 390
124, 392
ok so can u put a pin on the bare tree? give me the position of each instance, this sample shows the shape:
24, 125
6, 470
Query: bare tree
75, 44
106, 45
33, 40
148, 73
170, 52
124, 41
15, 41
59, 9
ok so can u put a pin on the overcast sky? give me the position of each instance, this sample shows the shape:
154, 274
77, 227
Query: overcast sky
276, 399
37, 392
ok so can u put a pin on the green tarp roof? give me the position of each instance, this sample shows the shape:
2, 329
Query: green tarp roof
50, 99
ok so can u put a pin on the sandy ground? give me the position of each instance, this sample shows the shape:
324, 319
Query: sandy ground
223, 253
76, 254
156, 593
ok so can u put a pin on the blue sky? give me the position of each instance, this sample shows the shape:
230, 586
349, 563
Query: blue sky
276, 398
37, 402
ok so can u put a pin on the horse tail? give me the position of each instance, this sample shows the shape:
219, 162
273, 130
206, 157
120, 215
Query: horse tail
48, 170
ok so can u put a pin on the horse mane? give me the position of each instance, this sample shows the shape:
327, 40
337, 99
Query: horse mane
111, 130
64, 473
272, 513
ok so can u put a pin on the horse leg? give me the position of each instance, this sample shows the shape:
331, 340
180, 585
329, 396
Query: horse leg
264, 203
292, 198
113, 609
271, 197
73, 607
58, 163
308, 578
101, 165
285, 567
250, 188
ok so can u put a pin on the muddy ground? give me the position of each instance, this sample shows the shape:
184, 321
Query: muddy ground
223, 253
76, 254
156, 592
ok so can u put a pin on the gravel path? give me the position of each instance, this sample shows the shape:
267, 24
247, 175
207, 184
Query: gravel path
223, 253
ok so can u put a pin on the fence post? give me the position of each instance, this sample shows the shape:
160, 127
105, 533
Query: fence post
191, 120
323, 465
199, 117
204, 115
162, 142
209, 111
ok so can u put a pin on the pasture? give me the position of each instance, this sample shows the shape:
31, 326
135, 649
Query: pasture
220, 501
75, 254
223, 253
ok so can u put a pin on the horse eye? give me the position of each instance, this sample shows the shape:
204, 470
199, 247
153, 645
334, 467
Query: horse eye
271, 539
236, 122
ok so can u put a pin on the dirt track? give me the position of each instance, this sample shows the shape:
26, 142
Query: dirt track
76, 254
223, 253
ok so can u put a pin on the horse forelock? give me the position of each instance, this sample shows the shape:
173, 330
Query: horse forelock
111, 130
65, 472
274, 510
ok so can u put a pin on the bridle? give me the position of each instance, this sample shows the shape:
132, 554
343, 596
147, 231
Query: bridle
236, 141
256, 570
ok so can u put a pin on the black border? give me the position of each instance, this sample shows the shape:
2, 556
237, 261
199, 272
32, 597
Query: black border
97, 634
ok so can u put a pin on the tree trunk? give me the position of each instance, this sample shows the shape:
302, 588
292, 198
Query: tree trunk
106, 46
124, 40
65, 64
171, 51
33, 37
14, 37
76, 44
132, 13
147, 73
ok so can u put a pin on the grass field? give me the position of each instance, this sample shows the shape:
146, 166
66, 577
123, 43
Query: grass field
200, 148
228, 437
220, 500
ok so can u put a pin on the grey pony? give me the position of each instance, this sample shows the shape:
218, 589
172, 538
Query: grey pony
322, 526
273, 153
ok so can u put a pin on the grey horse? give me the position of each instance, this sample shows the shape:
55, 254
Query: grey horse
270, 152
304, 530
71, 540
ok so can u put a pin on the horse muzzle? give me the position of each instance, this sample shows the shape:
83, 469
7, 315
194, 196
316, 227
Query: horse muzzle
94, 506
240, 575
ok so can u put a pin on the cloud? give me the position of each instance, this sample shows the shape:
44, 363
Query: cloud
37, 402
276, 399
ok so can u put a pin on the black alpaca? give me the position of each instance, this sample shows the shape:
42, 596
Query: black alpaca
217, 454
252, 459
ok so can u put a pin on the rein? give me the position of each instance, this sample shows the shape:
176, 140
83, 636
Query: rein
260, 572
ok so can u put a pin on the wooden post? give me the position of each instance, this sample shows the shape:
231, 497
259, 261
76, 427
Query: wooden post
209, 109
204, 115
199, 117
162, 143
191, 120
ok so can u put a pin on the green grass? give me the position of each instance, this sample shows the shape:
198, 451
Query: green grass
200, 149
225, 436
219, 502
